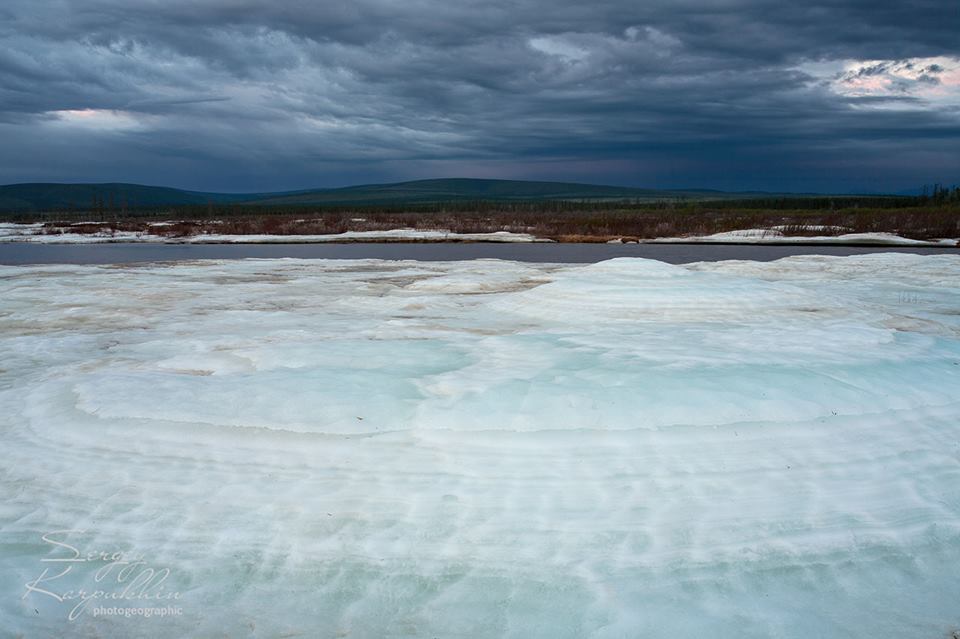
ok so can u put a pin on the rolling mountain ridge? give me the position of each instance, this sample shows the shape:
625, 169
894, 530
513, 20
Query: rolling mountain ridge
32, 197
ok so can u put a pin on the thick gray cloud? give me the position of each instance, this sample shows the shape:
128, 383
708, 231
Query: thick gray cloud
250, 95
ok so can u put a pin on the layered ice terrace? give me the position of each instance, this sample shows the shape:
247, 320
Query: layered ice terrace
486, 448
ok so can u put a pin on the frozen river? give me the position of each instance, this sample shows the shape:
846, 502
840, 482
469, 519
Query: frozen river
125, 253
337, 448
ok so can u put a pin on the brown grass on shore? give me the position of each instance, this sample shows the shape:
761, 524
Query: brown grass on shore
574, 226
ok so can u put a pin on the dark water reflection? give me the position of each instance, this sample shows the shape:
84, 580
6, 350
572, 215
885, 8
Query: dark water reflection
25, 253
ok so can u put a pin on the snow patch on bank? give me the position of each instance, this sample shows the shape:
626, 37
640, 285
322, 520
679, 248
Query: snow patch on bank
393, 234
35, 233
776, 236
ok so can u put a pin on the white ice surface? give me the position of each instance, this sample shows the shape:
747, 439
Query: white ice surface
487, 448
11, 232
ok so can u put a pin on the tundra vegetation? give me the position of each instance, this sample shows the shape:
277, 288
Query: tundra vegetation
934, 214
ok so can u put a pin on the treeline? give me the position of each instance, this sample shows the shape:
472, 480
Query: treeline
939, 194
105, 207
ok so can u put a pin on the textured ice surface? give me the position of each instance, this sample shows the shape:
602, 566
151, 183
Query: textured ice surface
487, 449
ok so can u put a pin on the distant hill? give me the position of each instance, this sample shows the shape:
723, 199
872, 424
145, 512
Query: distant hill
116, 196
57, 197
461, 189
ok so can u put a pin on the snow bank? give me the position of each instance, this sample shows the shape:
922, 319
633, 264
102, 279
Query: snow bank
776, 236
393, 234
32, 233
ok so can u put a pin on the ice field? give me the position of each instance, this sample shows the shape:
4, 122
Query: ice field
482, 449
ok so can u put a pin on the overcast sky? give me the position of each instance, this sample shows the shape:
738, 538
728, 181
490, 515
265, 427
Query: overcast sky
244, 95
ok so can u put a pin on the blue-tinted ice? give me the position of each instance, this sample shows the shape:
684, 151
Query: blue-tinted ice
484, 449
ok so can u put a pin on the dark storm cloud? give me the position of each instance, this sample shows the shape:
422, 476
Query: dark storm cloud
243, 95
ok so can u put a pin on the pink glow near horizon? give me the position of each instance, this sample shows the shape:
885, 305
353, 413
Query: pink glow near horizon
101, 119
911, 77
